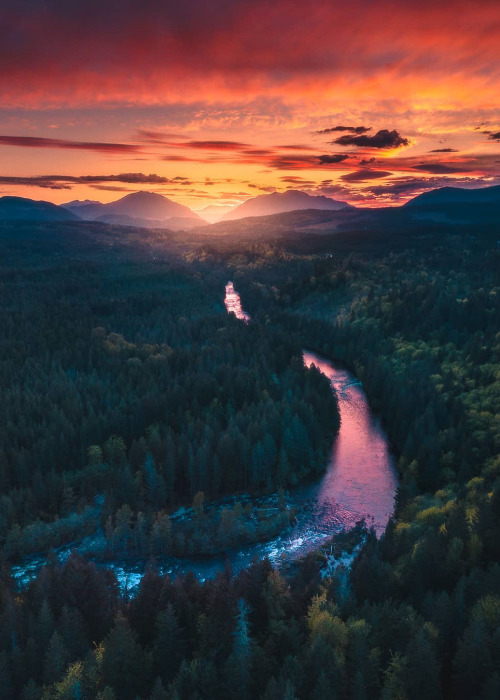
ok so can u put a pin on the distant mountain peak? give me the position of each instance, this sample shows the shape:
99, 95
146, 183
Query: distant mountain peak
24, 209
139, 206
281, 202
456, 195
214, 212
79, 203
144, 196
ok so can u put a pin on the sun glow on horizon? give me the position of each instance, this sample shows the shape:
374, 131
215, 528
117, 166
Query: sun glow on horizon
214, 107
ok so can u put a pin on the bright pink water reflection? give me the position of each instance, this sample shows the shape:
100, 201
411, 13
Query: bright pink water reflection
233, 303
360, 481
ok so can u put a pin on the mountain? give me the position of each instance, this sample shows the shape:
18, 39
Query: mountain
444, 196
214, 213
80, 203
174, 223
280, 202
136, 209
23, 209
456, 205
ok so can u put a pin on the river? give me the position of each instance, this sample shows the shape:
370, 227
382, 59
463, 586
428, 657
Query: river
360, 482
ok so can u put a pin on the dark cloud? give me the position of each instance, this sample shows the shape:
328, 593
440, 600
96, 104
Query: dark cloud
262, 188
367, 161
330, 190
177, 158
350, 129
295, 147
438, 168
494, 136
65, 182
129, 178
404, 187
215, 145
291, 161
110, 188
333, 158
444, 150
382, 139
297, 180
259, 152
364, 174
38, 142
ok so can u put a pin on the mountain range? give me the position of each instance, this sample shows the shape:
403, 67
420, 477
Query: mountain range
141, 209
214, 212
445, 205
444, 196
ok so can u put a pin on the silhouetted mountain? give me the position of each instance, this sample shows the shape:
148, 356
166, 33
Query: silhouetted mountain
89, 211
456, 205
280, 202
23, 209
456, 195
138, 206
174, 223
80, 203
214, 213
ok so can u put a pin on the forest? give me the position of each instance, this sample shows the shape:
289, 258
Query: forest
128, 391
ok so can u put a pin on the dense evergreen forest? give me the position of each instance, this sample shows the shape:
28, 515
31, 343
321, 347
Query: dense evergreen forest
92, 353
128, 390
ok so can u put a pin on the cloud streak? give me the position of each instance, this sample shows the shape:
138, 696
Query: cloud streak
350, 129
39, 142
333, 158
364, 174
57, 182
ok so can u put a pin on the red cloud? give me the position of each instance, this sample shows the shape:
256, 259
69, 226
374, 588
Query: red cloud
215, 145
37, 142
363, 175
58, 182
156, 52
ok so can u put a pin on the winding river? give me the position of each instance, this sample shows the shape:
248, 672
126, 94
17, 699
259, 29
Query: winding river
359, 483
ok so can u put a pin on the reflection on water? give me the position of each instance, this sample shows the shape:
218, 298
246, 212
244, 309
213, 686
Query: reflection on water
233, 303
359, 483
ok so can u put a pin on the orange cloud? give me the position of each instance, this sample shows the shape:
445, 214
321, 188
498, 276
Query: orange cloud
37, 142
157, 52
212, 88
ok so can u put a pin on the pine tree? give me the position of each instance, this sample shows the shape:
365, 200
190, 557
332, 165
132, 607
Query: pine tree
237, 673
30, 691
159, 692
124, 664
168, 648
56, 658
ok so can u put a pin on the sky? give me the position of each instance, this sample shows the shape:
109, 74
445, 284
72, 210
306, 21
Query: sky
210, 102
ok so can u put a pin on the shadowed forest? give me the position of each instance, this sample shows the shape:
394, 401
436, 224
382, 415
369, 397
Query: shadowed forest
127, 392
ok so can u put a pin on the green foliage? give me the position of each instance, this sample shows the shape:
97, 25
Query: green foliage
187, 392
125, 384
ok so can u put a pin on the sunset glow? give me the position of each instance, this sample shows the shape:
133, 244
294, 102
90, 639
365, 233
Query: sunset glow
213, 103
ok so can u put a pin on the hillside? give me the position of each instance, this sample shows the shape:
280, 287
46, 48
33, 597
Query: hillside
279, 202
22, 209
136, 209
